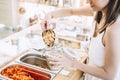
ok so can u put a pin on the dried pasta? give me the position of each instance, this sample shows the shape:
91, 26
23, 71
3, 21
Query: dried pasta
16, 73
49, 37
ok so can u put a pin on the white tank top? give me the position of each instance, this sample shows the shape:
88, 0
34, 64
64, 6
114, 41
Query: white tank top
96, 51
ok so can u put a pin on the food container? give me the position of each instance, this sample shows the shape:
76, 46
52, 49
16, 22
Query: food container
36, 60
3, 78
52, 53
18, 71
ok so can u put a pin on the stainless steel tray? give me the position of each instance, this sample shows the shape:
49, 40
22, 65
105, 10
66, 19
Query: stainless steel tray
31, 70
36, 60
3, 78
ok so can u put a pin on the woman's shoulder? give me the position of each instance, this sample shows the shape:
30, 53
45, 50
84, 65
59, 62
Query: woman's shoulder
112, 33
115, 27
112, 36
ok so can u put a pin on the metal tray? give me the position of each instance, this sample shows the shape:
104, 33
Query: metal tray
34, 73
38, 61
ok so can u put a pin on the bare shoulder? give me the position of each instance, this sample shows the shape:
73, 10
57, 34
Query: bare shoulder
112, 36
114, 30
112, 41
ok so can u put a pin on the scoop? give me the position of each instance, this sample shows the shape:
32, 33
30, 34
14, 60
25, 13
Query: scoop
48, 36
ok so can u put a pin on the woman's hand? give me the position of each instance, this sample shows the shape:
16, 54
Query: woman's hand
45, 24
60, 61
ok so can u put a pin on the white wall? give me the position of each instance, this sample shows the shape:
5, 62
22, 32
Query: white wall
8, 12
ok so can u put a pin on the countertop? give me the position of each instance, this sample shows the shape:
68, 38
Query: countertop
65, 74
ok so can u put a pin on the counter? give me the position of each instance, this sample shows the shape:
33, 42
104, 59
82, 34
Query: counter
64, 74
71, 74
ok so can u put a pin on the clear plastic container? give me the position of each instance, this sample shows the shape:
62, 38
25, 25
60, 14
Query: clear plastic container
55, 50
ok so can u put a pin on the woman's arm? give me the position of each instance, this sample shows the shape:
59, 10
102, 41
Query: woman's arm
112, 54
85, 10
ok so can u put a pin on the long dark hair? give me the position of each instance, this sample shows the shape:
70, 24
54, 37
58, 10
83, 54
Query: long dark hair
113, 11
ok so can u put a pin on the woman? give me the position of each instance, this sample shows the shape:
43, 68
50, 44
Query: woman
104, 49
